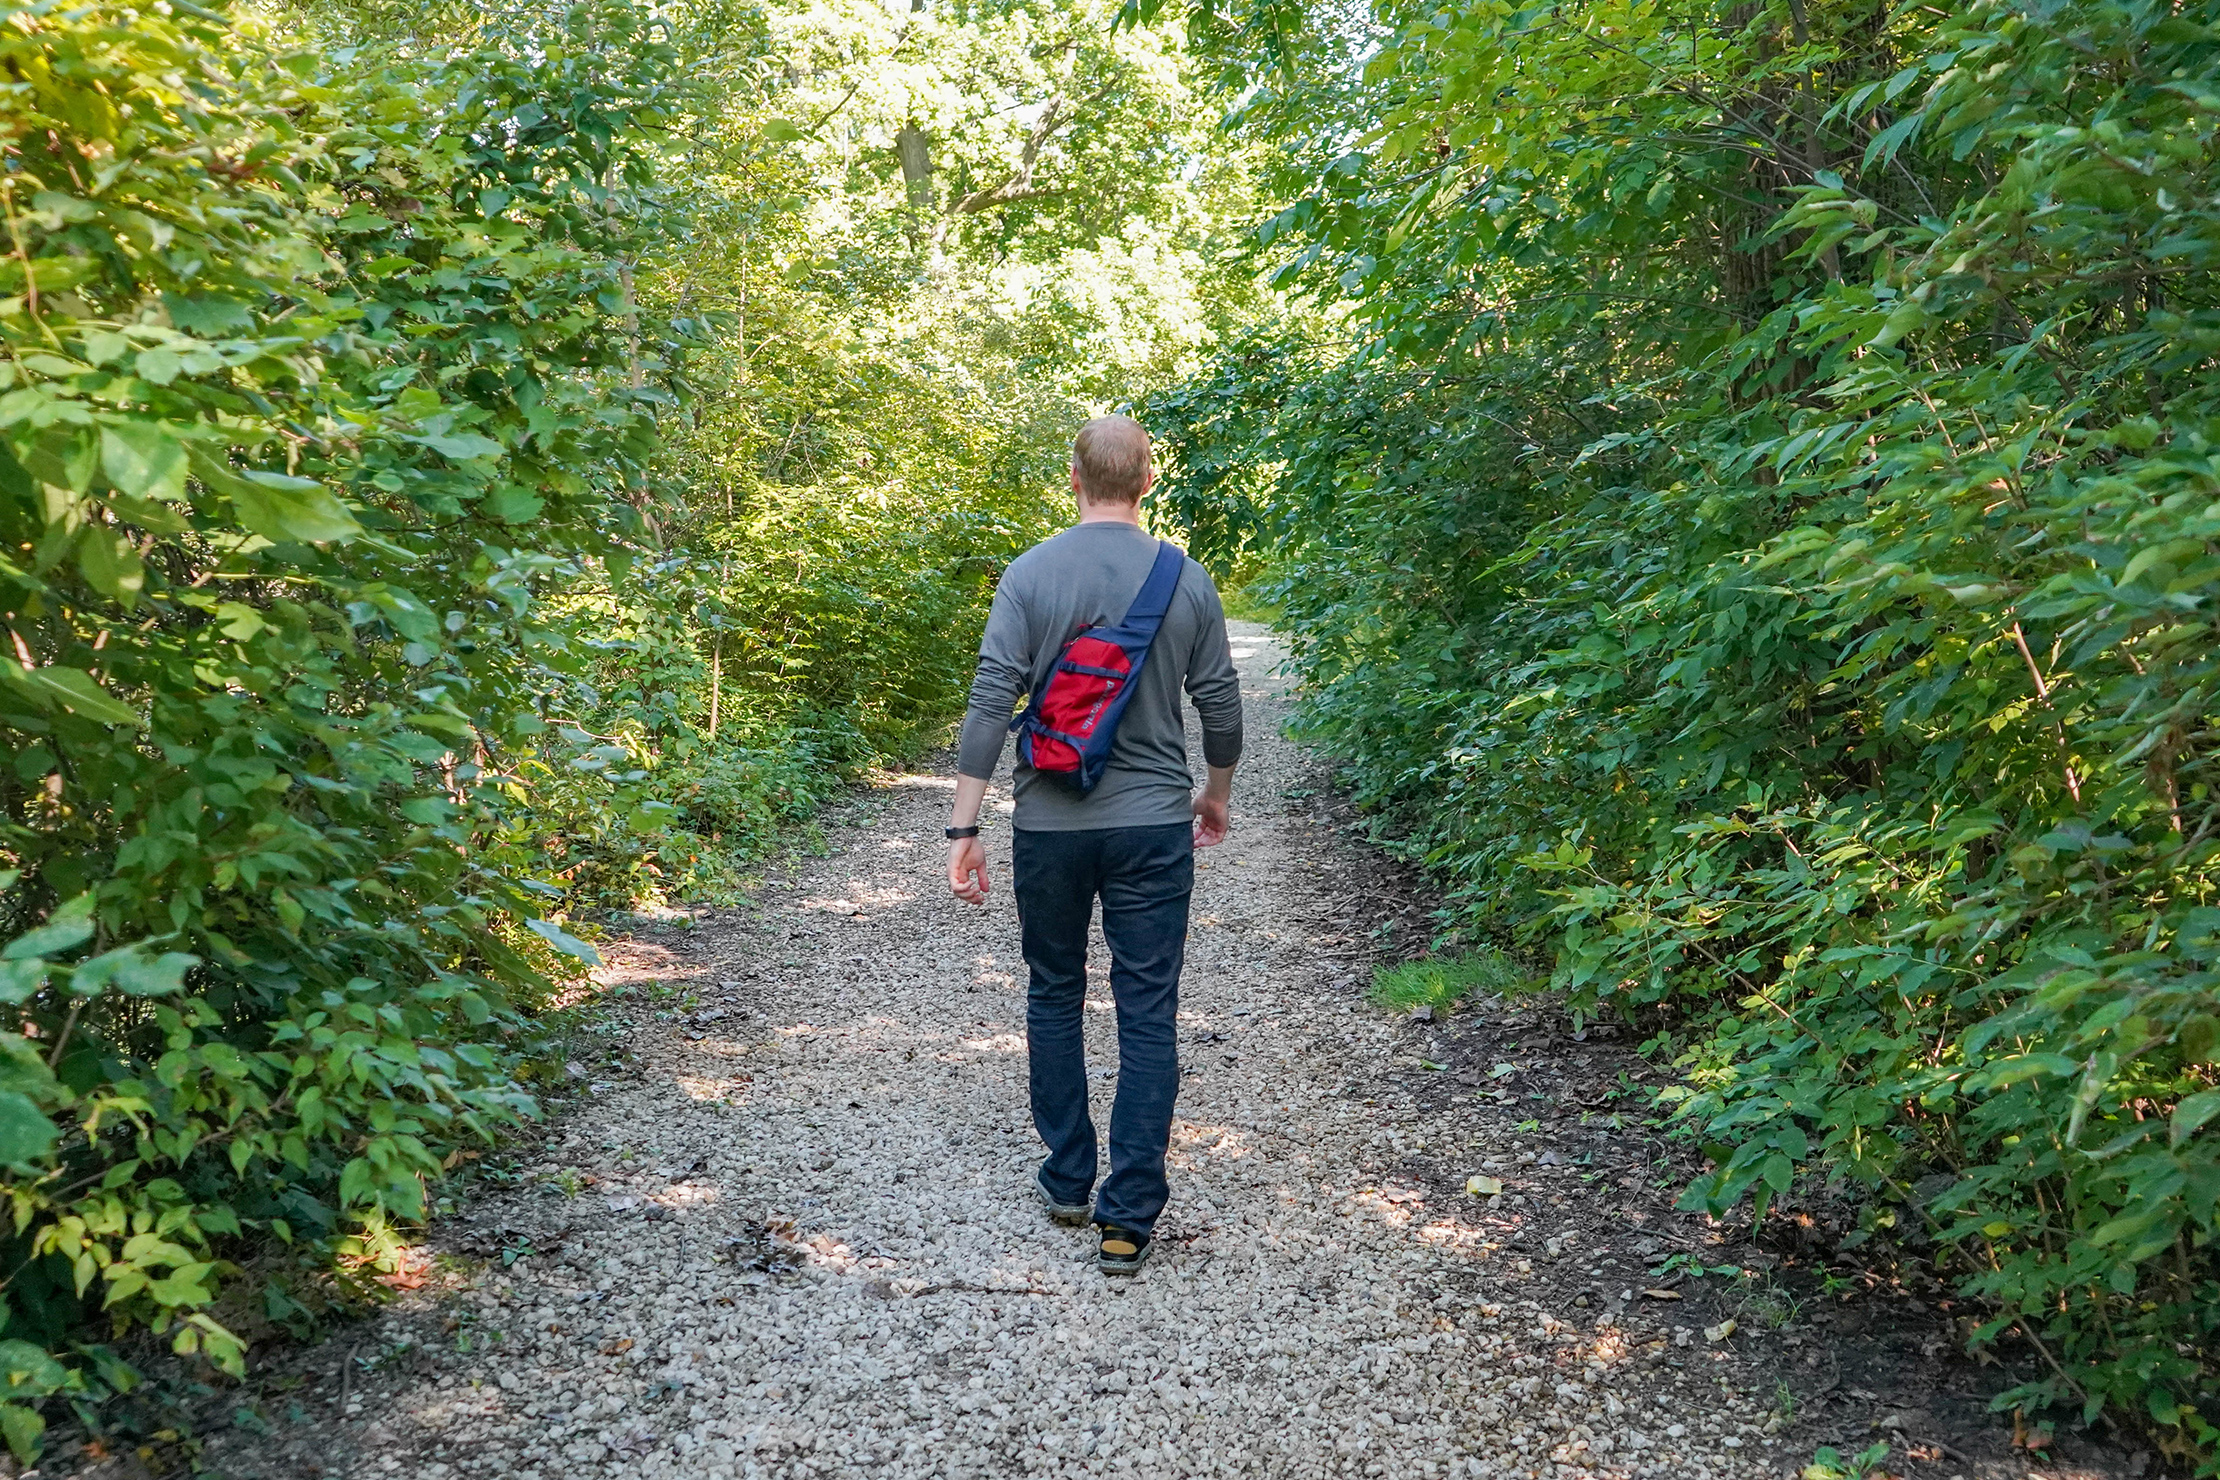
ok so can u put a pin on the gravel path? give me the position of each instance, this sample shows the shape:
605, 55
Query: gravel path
793, 1235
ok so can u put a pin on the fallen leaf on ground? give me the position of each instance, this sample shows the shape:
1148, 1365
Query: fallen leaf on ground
1719, 1332
1484, 1186
409, 1274
1662, 1294
616, 1348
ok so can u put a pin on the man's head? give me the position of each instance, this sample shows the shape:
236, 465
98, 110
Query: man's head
1110, 462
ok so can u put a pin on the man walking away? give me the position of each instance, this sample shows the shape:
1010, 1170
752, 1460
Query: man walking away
1130, 840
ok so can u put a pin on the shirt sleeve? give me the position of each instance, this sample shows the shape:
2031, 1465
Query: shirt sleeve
1005, 672
1213, 686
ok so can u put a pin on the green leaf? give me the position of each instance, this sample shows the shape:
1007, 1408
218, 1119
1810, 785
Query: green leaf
238, 621
2028, 1066
143, 460
69, 689
131, 971
281, 508
463, 446
23, 1429
161, 365
110, 564
276, 506
409, 616
21, 980
562, 941
25, 1368
513, 505
104, 345
25, 1132
70, 926
2126, 1225
1889, 140
2192, 1113
64, 456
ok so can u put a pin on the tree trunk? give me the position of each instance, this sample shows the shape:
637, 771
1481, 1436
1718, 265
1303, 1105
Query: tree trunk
912, 149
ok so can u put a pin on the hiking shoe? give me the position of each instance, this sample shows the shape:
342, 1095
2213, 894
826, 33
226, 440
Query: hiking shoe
1121, 1250
1072, 1215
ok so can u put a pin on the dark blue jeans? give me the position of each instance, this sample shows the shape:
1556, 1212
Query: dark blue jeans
1144, 876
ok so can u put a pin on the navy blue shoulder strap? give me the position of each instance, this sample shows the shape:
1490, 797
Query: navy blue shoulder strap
1156, 592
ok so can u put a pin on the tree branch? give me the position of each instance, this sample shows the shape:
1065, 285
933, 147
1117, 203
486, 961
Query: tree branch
1018, 184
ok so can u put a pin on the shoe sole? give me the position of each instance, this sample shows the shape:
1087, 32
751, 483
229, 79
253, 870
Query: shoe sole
1125, 1266
1071, 1215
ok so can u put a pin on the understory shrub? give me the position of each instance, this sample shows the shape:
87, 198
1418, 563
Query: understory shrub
1754, 529
320, 369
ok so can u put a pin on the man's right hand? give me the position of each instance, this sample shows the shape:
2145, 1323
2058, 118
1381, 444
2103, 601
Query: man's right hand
967, 870
1212, 808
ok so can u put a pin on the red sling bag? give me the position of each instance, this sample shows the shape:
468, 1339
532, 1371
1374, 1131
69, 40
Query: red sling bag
1067, 731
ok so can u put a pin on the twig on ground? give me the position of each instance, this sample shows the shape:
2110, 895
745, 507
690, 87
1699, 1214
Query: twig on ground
1936, 1444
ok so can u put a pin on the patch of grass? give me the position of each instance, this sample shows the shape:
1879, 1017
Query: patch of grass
1441, 982
1829, 1464
1243, 607
1769, 1304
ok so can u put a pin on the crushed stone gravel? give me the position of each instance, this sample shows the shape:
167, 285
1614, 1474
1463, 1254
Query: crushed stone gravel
795, 1236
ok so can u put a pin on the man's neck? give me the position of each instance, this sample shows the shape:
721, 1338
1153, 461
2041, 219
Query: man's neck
1111, 513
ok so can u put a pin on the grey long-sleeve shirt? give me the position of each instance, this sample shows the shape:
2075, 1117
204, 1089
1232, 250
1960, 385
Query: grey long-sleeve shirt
1091, 573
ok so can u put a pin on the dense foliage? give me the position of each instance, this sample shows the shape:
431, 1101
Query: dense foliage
462, 466
317, 372
1743, 490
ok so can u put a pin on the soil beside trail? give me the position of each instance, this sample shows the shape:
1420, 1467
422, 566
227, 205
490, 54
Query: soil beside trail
786, 1229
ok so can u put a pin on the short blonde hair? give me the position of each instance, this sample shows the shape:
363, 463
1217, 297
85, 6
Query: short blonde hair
1111, 457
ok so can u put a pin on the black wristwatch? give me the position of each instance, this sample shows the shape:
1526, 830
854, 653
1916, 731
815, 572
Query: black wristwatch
953, 833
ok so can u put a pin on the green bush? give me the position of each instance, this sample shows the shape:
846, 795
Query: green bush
1763, 544
319, 370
